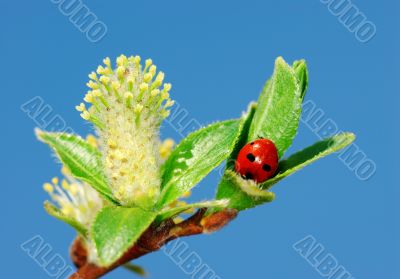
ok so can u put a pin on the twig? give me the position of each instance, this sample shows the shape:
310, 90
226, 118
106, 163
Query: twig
152, 240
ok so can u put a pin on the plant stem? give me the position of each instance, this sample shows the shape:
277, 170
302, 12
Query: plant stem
152, 240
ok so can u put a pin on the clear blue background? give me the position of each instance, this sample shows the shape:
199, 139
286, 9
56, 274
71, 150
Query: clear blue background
217, 54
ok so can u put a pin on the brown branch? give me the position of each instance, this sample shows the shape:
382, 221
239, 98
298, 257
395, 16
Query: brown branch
152, 240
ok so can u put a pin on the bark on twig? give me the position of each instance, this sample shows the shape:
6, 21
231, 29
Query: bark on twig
151, 240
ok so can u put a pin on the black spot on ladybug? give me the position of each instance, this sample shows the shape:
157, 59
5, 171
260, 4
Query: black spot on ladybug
249, 175
251, 157
251, 143
266, 167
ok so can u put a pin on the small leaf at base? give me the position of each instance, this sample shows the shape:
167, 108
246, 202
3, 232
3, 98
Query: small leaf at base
137, 269
116, 229
242, 194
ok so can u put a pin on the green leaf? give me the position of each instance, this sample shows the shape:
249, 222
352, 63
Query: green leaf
300, 69
279, 108
56, 212
137, 269
116, 229
195, 157
82, 159
242, 194
226, 187
242, 137
309, 155
172, 212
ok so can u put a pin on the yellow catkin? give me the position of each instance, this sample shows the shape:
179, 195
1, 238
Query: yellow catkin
127, 105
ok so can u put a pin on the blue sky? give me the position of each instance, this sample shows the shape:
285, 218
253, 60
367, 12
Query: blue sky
217, 55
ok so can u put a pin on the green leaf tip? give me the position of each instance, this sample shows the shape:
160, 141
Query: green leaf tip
38, 132
279, 108
302, 158
301, 71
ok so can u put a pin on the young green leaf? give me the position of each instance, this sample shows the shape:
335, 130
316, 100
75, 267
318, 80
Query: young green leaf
242, 137
195, 157
225, 188
300, 69
242, 194
279, 108
172, 212
56, 212
116, 229
309, 155
82, 159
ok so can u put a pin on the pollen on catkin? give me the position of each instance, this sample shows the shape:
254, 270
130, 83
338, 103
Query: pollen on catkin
127, 105
166, 148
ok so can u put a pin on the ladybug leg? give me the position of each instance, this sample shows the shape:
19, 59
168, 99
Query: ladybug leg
248, 175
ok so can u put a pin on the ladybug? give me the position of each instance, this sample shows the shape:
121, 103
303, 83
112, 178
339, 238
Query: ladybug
257, 160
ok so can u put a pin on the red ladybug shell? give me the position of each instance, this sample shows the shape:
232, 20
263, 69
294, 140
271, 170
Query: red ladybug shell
257, 160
